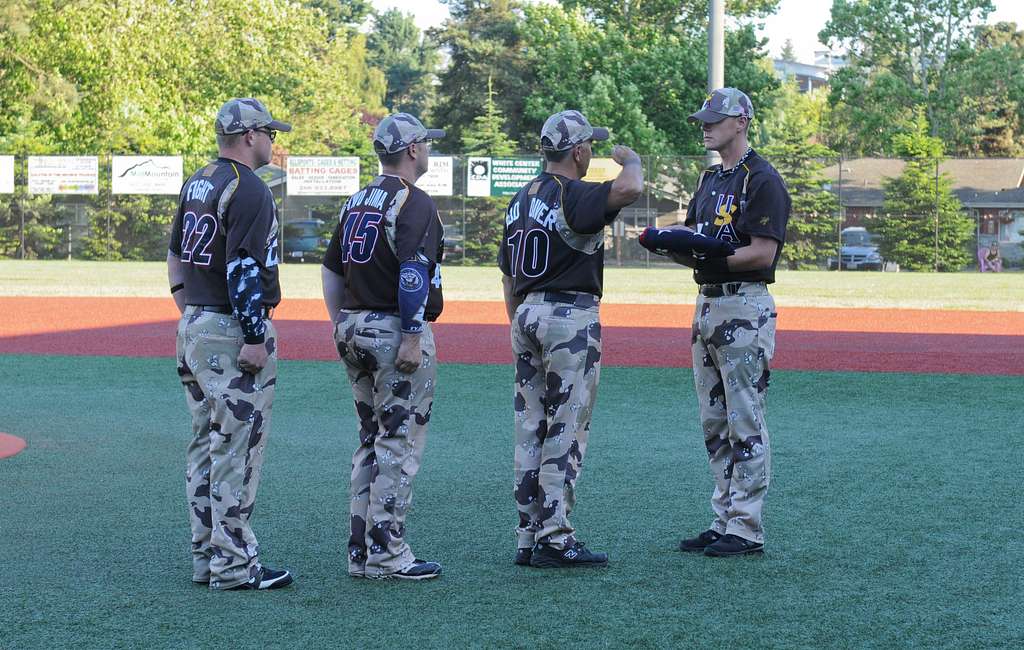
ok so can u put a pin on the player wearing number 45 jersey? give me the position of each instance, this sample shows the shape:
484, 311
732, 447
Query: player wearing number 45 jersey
552, 258
222, 266
382, 287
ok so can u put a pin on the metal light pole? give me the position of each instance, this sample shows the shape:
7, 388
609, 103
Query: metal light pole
716, 57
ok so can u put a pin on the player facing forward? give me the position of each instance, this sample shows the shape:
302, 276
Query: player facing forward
738, 216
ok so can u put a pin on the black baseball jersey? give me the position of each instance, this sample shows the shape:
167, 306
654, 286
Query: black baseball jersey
382, 225
750, 200
225, 211
554, 235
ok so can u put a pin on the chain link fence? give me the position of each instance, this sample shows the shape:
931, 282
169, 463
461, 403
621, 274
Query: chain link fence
848, 214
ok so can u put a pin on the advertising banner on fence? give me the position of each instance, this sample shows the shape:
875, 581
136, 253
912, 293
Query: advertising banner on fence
438, 179
145, 174
322, 176
63, 174
602, 169
500, 176
6, 174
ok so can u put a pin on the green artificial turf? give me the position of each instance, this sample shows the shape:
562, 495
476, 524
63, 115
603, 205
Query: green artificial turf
893, 519
663, 284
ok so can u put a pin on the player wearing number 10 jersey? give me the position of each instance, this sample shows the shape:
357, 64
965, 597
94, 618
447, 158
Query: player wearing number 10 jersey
382, 288
552, 258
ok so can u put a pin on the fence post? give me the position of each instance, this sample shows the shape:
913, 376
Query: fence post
936, 264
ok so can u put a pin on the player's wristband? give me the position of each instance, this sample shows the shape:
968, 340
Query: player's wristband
178, 287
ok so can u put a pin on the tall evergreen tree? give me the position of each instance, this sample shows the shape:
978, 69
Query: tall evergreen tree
923, 226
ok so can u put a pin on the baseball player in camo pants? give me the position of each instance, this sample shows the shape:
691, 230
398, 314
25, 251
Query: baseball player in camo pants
552, 258
222, 265
733, 236
382, 287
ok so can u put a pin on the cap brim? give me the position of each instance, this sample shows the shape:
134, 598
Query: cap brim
600, 134
434, 134
707, 117
279, 126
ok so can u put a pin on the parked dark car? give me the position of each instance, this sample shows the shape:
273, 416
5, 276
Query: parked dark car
305, 240
859, 250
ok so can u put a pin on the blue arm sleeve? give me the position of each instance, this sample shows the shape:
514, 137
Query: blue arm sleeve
412, 294
684, 241
246, 295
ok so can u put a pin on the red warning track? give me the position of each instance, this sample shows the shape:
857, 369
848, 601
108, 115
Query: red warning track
10, 445
809, 338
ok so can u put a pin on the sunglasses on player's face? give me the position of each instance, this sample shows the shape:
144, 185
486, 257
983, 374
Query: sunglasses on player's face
270, 133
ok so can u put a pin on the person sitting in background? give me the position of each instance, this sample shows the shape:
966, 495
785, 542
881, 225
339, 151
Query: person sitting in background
989, 259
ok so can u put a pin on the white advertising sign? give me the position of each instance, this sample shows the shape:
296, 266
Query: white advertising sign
6, 174
322, 176
145, 174
438, 179
63, 174
478, 177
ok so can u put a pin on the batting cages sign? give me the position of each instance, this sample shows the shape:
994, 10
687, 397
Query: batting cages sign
499, 176
322, 176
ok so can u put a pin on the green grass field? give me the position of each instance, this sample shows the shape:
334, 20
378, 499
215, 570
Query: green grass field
972, 291
893, 519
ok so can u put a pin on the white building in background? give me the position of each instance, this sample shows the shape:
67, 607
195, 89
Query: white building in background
810, 76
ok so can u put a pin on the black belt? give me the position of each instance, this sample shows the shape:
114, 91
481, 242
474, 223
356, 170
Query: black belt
719, 290
267, 311
584, 300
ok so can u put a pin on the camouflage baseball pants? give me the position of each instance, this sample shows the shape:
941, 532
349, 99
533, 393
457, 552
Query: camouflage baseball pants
230, 422
732, 344
394, 412
558, 366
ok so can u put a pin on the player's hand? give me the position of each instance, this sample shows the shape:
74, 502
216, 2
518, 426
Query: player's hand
252, 357
410, 354
623, 154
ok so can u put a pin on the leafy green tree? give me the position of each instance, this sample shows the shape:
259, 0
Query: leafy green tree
923, 225
982, 105
409, 62
640, 79
483, 40
900, 54
94, 77
343, 16
814, 219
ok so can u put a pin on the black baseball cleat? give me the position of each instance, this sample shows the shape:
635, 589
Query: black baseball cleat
523, 556
577, 555
731, 545
266, 579
700, 542
418, 570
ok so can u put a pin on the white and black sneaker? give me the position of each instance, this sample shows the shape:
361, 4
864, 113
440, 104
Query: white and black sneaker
267, 579
418, 570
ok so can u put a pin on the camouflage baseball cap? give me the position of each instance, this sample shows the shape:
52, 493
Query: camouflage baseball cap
723, 103
399, 130
245, 114
567, 129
